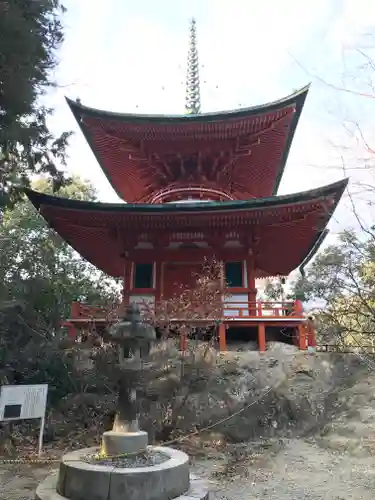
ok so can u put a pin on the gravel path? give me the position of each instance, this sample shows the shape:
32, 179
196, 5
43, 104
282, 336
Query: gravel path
298, 471
19, 482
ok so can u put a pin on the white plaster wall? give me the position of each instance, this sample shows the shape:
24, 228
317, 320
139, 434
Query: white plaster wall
241, 300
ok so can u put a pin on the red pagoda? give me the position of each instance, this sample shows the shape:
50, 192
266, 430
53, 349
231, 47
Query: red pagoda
197, 185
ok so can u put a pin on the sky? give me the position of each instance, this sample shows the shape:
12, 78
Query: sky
128, 56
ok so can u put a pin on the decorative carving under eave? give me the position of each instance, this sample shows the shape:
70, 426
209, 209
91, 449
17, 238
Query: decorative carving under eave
215, 240
159, 240
126, 242
155, 160
250, 241
198, 167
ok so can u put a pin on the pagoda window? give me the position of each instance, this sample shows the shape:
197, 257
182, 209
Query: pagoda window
234, 274
144, 276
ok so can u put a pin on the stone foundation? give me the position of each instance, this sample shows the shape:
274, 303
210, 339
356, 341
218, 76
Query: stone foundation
79, 480
198, 490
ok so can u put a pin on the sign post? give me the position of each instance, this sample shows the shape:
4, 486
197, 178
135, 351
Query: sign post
19, 402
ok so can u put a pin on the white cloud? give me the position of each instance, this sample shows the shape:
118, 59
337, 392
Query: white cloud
139, 65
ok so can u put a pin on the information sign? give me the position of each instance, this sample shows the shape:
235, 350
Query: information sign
18, 402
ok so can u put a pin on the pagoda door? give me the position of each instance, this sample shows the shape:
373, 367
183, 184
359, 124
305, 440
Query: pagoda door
178, 276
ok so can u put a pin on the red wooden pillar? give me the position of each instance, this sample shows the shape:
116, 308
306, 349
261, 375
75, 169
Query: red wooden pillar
295, 337
298, 308
75, 310
126, 287
158, 279
302, 340
261, 337
311, 336
222, 338
183, 343
252, 291
72, 331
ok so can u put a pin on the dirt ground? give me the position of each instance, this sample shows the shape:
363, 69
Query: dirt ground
297, 470
333, 461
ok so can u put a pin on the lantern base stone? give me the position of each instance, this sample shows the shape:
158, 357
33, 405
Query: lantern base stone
120, 443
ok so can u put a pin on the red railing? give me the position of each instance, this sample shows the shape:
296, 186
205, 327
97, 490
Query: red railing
231, 310
264, 309
257, 313
85, 311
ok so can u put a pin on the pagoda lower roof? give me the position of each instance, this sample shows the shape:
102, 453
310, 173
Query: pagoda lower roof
241, 152
282, 231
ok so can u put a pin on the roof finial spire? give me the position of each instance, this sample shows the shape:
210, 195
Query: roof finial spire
193, 98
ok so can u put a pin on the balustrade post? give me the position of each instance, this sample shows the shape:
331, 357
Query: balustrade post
298, 308
252, 297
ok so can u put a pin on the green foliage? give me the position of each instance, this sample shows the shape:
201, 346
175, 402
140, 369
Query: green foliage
40, 275
272, 290
30, 33
342, 278
277, 290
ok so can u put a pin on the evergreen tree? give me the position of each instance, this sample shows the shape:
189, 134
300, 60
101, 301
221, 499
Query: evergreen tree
30, 34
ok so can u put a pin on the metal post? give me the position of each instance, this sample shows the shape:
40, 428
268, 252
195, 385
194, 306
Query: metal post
41, 433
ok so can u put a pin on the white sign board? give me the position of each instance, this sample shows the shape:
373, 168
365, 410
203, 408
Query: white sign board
18, 402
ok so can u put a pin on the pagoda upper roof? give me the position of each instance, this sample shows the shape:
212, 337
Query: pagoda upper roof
241, 152
293, 224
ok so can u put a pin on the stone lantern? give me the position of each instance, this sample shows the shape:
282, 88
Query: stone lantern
131, 469
133, 338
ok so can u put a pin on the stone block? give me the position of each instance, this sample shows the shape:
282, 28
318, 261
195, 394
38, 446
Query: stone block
198, 490
79, 480
119, 443
47, 489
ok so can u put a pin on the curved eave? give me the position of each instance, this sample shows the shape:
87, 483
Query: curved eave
88, 226
336, 189
299, 103
313, 250
296, 98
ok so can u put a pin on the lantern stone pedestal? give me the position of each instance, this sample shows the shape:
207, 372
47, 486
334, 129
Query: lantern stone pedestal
121, 469
79, 480
118, 443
